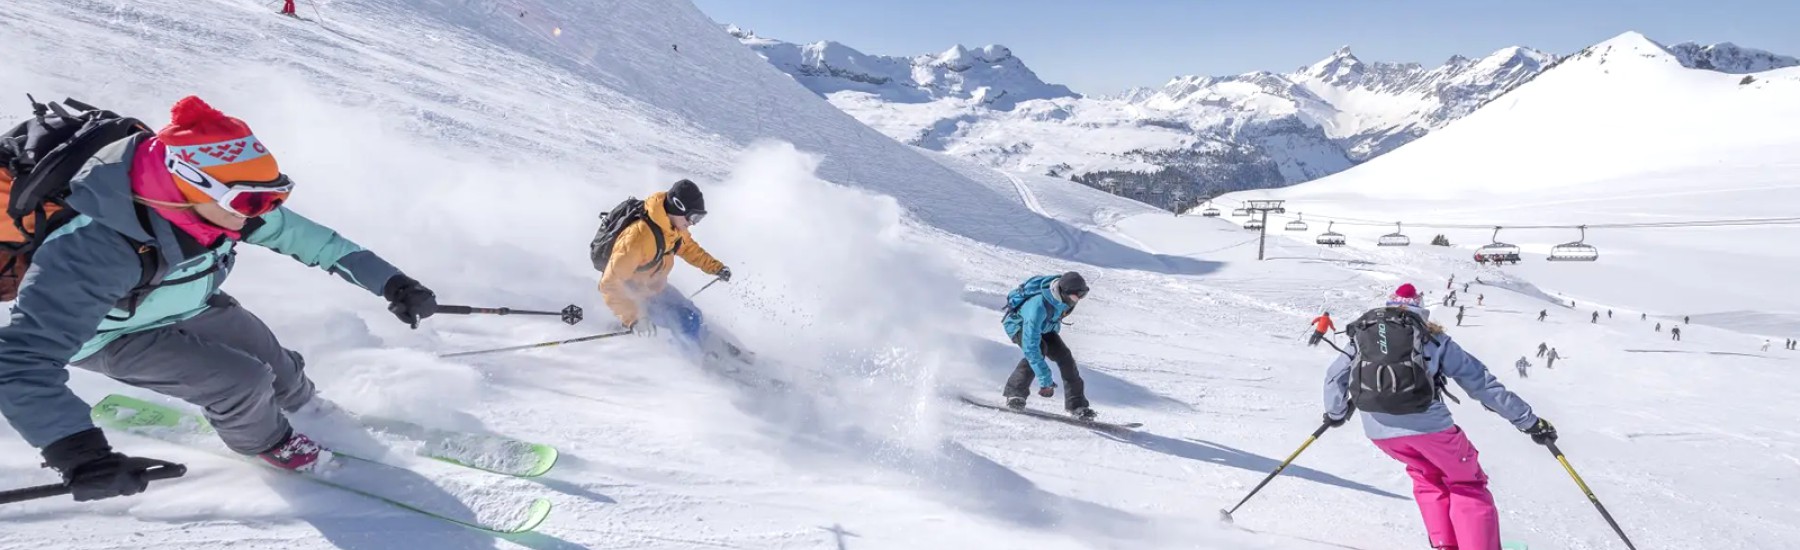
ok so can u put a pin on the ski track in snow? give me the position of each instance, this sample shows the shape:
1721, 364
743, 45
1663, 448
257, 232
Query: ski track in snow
473, 142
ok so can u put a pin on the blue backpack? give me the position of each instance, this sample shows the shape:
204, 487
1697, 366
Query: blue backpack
1031, 288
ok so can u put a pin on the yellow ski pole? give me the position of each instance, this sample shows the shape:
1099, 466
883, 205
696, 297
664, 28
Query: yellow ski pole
1225, 515
1589, 493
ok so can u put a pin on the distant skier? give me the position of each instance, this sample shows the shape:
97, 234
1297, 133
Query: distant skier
1465, 287
1033, 321
1675, 333
1322, 325
1480, 299
1522, 364
196, 190
1414, 427
635, 278
1459, 315
1451, 283
1643, 316
1542, 349
1609, 314
1595, 319
1765, 346
1684, 320
1551, 363
1659, 328
1542, 314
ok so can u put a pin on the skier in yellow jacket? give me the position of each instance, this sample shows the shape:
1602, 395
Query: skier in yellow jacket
635, 282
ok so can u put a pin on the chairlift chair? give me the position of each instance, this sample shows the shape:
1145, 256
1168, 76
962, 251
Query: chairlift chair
1329, 237
1577, 251
1395, 239
1240, 213
1211, 211
1253, 225
1498, 251
1298, 224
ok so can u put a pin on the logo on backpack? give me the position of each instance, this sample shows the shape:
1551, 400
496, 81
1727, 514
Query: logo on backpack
612, 224
1390, 372
38, 158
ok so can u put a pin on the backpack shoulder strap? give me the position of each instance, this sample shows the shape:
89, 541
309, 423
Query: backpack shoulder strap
655, 233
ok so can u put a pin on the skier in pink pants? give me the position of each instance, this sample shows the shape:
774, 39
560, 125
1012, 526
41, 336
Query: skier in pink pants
1398, 383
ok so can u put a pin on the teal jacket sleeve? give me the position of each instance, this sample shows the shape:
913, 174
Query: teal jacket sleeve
1031, 339
304, 240
75, 278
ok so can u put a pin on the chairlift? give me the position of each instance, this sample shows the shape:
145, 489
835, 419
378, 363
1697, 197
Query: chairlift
1253, 225
1329, 237
1240, 213
1395, 239
1577, 251
1499, 252
1298, 224
1210, 211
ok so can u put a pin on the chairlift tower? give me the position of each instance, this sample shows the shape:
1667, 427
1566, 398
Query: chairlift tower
1264, 207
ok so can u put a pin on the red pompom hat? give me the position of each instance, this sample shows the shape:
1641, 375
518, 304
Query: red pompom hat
221, 146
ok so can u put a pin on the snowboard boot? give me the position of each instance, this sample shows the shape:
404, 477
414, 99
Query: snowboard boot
1084, 414
1015, 403
297, 453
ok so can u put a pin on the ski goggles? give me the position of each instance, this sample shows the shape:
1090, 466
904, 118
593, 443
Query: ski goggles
694, 217
244, 198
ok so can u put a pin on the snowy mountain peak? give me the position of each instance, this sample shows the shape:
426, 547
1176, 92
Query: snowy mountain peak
1341, 67
990, 75
1727, 57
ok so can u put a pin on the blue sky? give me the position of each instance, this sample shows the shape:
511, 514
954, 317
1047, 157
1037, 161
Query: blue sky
1103, 46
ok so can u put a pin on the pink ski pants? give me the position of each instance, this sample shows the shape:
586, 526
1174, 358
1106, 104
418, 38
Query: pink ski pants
1450, 488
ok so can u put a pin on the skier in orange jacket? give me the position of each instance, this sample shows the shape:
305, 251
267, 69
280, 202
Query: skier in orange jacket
1321, 325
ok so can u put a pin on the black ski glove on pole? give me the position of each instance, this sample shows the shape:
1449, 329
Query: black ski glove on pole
1335, 422
1542, 432
409, 300
724, 274
93, 471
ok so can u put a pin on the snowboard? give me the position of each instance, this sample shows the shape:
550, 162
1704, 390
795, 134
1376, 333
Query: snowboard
1117, 427
450, 498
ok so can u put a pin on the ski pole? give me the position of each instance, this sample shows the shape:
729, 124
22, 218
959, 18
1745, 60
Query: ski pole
170, 471
538, 345
570, 315
1225, 515
1590, 494
708, 285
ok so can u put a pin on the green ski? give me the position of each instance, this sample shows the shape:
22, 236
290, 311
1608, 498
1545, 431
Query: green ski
397, 486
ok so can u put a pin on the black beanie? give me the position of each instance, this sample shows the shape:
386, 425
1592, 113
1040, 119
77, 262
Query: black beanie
684, 198
1071, 283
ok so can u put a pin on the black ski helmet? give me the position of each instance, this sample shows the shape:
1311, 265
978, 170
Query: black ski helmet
684, 198
1071, 283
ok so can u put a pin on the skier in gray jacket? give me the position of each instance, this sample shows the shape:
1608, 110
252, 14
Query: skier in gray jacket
1448, 483
194, 190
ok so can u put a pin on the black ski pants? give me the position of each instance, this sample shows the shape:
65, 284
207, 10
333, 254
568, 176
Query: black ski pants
1074, 392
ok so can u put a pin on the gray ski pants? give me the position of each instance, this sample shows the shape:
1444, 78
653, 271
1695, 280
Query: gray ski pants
224, 360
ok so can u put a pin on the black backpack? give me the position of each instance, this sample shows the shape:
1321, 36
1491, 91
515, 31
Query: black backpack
1389, 372
38, 157
612, 224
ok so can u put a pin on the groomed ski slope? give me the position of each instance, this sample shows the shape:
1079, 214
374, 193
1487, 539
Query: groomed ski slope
474, 149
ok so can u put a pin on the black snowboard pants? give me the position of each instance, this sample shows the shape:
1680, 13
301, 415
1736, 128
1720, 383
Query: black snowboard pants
1074, 391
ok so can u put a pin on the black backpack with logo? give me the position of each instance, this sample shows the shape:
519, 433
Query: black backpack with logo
1389, 372
614, 223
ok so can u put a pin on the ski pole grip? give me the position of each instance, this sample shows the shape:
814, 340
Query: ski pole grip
166, 471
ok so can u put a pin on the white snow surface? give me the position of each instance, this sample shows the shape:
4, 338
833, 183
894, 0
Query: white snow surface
472, 143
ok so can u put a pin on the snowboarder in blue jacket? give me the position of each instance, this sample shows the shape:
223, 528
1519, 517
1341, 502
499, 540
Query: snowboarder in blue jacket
1033, 320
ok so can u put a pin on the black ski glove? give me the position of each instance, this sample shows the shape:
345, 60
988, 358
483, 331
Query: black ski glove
93, 471
409, 300
1542, 432
1047, 391
1335, 422
724, 274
